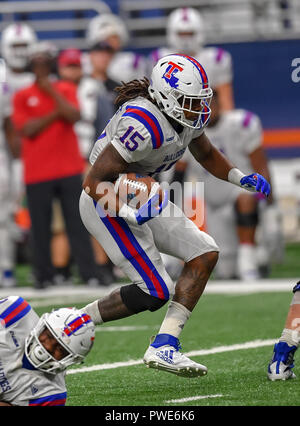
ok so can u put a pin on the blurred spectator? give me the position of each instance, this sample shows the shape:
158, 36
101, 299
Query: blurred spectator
96, 107
44, 114
16, 41
90, 93
123, 65
7, 257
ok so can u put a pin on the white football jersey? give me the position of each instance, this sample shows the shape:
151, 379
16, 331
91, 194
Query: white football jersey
88, 92
5, 111
144, 137
20, 383
127, 66
216, 62
18, 81
237, 134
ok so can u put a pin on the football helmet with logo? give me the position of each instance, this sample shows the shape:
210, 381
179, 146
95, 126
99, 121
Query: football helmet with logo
185, 30
180, 87
72, 329
15, 44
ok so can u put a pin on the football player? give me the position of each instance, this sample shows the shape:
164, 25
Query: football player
8, 145
125, 65
282, 362
16, 42
154, 126
233, 214
35, 352
186, 35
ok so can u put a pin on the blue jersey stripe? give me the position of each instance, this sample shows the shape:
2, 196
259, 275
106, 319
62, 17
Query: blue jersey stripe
58, 399
13, 313
139, 250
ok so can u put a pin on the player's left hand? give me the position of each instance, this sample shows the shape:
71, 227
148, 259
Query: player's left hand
256, 183
151, 209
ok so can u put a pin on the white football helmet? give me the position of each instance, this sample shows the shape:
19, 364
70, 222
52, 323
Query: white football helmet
105, 25
74, 331
185, 30
15, 44
179, 85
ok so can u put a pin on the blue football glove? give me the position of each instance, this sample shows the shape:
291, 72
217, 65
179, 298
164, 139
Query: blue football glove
151, 209
256, 182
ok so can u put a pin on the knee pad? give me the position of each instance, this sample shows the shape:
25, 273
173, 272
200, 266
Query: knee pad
138, 301
246, 219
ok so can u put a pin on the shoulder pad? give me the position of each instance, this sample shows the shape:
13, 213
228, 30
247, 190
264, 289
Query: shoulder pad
12, 309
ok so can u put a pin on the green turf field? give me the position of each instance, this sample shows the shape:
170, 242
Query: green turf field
235, 377
289, 268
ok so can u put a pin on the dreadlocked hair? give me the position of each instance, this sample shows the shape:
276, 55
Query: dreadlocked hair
131, 90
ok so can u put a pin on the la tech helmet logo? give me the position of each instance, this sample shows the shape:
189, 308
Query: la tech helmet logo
170, 76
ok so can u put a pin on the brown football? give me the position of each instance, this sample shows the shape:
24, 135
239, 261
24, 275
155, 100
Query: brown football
135, 189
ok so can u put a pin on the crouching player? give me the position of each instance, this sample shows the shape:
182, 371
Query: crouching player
35, 352
155, 124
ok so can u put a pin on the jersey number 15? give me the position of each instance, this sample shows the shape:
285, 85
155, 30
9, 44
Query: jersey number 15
131, 142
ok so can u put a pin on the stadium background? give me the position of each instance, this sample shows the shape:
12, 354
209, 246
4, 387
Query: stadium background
263, 38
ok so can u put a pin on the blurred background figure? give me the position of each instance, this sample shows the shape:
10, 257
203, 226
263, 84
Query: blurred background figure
16, 41
96, 107
7, 240
44, 114
124, 65
186, 35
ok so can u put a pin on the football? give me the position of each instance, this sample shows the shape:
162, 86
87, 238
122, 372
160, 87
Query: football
135, 189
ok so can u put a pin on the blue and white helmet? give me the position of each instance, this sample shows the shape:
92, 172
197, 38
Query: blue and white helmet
179, 83
74, 331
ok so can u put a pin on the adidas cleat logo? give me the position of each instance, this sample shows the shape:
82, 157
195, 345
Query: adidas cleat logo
166, 356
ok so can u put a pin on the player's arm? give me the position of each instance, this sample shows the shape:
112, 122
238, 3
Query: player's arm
106, 169
218, 165
33, 127
98, 184
5, 404
67, 110
210, 157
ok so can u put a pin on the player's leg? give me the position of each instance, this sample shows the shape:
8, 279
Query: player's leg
132, 249
246, 220
221, 225
179, 237
281, 364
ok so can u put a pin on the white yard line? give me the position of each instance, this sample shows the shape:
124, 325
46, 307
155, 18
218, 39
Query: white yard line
218, 349
80, 293
125, 328
192, 398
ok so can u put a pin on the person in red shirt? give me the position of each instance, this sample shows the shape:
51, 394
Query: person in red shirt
44, 114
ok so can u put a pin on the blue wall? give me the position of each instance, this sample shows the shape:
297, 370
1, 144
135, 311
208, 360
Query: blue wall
263, 83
